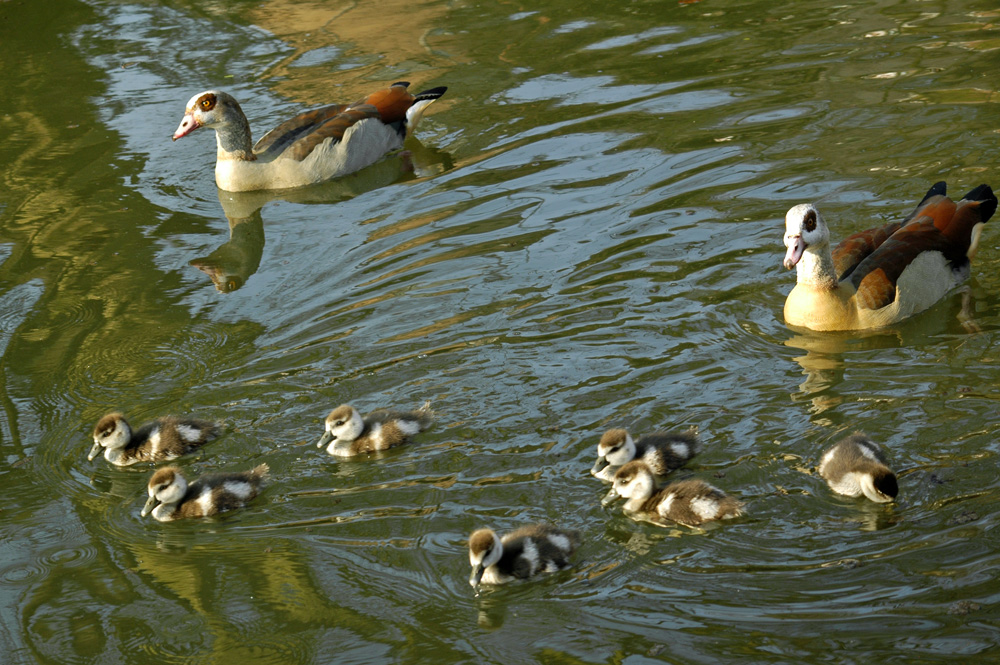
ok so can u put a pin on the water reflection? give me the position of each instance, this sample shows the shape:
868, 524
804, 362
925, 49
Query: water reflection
232, 263
824, 360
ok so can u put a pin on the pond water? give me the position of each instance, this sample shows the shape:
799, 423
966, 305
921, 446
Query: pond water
584, 233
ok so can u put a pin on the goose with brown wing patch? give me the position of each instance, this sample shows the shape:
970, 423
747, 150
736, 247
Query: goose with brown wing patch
171, 498
520, 554
162, 439
690, 502
664, 452
881, 276
856, 466
314, 146
348, 434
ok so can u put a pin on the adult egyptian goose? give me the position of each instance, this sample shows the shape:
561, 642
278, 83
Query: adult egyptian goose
520, 554
664, 452
348, 434
314, 146
881, 276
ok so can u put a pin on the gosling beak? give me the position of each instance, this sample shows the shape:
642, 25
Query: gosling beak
599, 466
94, 452
150, 504
611, 496
477, 575
325, 439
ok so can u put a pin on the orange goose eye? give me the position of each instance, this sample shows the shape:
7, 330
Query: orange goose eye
810, 223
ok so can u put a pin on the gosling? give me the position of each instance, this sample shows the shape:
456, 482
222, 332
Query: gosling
520, 554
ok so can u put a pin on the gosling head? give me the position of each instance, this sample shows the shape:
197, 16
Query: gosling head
166, 486
111, 432
343, 424
484, 551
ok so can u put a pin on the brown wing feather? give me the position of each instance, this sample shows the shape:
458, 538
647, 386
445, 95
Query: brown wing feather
941, 210
300, 135
333, 128
937, 225
287, 132
958, 229
875, 278
392, 103
854, 249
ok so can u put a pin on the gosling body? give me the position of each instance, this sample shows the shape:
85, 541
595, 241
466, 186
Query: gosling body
171, 498
520, 554
690, 502
663, 452
856, 466
162, 439
348, 434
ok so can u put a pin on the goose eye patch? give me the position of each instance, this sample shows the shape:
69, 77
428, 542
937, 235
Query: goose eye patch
810, 221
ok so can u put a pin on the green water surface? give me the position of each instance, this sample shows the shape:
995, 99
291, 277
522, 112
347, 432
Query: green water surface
584, 233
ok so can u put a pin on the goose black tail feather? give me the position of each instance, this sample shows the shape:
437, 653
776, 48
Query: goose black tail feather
986, 198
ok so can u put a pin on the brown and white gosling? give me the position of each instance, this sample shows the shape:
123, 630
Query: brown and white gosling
690, 502
664, 452
209, 495
520, 554
162, 439
855, 466
347, 434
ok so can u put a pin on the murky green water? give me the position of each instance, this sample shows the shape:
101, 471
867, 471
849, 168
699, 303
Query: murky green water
586, 234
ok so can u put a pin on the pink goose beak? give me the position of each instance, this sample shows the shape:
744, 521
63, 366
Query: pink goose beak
188, 125
796, 247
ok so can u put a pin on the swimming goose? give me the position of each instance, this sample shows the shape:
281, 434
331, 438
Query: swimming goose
314, 146
351, 435
856, 466
662, 451
162, 439
209, 495
690, 502
881, 276
528, 551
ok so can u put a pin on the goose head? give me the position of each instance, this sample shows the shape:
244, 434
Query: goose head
343, 424
213, 109
616, 447
805, 230
166, 486
634, 481
484, 551
880, 486
111, 432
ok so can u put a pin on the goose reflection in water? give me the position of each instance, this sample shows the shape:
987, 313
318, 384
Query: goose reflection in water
233, 262
827, 354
